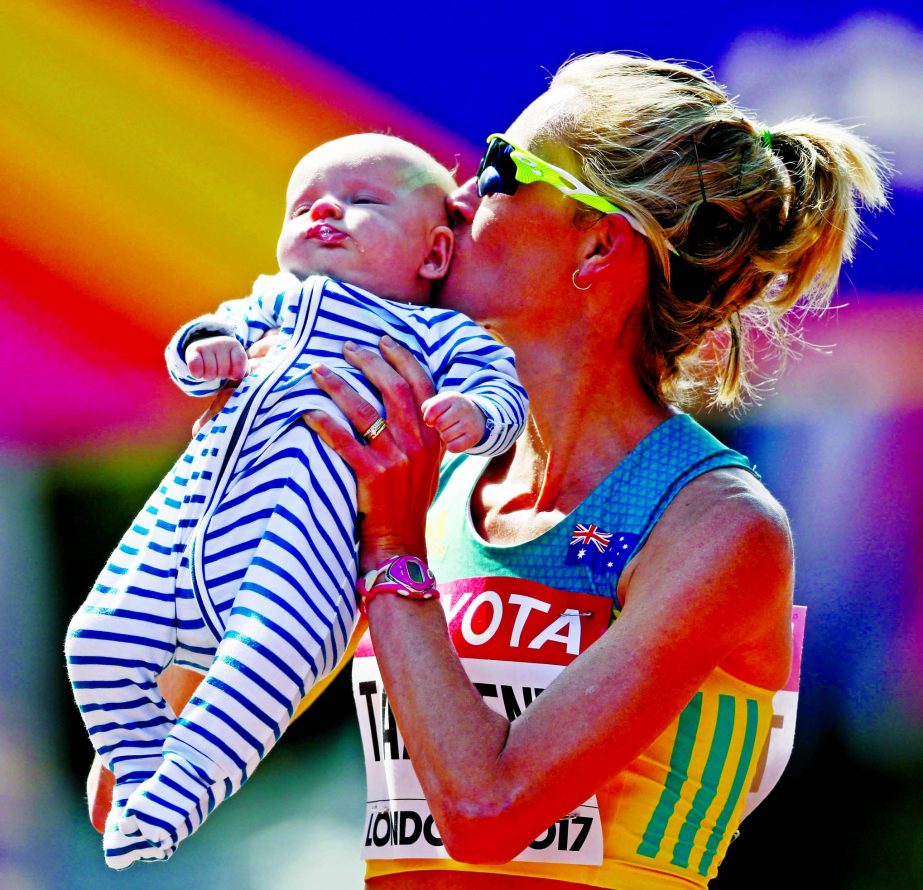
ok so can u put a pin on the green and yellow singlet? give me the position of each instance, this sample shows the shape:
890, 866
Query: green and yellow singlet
517, 616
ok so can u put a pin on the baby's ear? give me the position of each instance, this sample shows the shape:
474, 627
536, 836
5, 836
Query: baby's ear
436, 263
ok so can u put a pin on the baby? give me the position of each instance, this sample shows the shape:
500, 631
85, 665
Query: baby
243, 564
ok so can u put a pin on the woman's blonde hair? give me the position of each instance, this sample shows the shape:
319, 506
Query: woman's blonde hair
760, 219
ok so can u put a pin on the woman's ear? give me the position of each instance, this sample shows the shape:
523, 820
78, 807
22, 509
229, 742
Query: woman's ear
605, 245
436, 263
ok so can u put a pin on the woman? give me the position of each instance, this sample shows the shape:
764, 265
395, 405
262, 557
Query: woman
617, 539
662, 718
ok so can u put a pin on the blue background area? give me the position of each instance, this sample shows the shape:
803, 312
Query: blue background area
473, 67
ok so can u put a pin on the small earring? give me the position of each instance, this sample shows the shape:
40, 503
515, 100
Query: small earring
573, 278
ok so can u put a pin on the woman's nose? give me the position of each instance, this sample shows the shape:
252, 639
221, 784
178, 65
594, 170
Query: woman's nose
326, 207
463, 203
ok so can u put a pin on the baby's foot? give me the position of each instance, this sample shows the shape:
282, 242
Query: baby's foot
166, 808
122, 850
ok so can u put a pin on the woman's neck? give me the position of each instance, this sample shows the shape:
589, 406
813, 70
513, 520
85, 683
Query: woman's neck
577, 360
584, 419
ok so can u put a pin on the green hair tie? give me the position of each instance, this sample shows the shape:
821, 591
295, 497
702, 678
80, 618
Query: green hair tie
766, 136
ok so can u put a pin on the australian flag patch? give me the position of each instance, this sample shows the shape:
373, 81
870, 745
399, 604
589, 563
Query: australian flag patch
602, 552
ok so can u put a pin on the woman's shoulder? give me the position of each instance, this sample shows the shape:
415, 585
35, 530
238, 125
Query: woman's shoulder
724, 511
722, 556
736, 495
752, 572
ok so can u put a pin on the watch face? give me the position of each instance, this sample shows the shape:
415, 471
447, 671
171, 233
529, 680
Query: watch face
415, 572
412, 573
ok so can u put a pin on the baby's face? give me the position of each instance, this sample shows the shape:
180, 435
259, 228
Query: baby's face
361, 210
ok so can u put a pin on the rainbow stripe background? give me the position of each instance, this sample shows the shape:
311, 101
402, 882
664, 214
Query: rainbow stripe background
145, 150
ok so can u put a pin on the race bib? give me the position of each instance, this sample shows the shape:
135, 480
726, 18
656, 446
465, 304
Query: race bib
513, 637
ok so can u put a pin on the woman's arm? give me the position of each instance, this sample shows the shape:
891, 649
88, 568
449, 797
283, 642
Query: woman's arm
711, 587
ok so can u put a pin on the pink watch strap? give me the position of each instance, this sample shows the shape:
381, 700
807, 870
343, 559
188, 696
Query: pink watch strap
398, 580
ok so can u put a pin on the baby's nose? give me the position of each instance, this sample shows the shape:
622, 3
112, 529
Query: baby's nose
326, 207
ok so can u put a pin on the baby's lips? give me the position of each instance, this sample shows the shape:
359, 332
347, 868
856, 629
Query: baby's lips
326, 234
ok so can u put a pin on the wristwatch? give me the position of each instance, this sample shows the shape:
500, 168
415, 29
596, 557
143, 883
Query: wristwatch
406, 576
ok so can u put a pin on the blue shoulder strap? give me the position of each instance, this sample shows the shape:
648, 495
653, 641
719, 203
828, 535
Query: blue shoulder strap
587, 551
635, 495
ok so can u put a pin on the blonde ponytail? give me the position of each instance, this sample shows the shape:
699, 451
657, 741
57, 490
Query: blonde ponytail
832, 172
761, 219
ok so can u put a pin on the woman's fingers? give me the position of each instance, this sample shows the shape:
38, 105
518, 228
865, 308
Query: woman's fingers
402, 360
338, 437
404, 385
396, 470
100, 783
396, 392
357, 410
366, 463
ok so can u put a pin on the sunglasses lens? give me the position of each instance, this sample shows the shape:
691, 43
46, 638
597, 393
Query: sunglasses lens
489, 182
497, 172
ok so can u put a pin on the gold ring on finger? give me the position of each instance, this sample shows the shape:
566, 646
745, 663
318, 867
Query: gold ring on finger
375, 430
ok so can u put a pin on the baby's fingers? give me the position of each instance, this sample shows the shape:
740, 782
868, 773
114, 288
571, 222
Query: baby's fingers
196, 363
237, 362
217, 357
437, 408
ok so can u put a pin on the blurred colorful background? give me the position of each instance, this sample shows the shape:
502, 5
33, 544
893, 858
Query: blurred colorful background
145, 148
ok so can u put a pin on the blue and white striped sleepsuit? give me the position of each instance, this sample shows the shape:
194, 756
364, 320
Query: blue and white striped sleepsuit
242, 564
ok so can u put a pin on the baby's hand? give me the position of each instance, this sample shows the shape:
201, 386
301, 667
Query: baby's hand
457, 419
216, 358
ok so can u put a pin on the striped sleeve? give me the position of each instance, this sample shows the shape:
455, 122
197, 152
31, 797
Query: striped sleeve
247, 319
465, 358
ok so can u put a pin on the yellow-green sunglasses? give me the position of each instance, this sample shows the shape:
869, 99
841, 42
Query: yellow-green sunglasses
504, 166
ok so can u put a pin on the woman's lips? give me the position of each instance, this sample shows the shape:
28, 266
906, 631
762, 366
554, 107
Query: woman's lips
325, 234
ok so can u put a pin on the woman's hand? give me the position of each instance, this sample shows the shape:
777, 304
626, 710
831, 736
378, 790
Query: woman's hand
256, 353
397, 470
